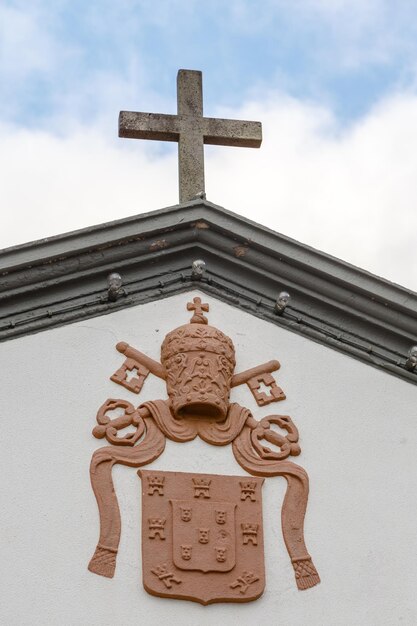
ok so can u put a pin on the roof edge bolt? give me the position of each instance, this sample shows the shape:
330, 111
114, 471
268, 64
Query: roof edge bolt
197, 269
411, 362
115, 289
281, 303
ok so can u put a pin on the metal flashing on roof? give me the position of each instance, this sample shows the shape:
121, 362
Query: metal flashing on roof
63, 279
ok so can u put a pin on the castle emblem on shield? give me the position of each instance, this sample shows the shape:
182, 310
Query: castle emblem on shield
202, 534
211, 545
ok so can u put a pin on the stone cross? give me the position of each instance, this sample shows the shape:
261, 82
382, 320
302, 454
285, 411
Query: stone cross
191, 131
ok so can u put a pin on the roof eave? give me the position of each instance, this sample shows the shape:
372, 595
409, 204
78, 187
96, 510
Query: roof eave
62, 279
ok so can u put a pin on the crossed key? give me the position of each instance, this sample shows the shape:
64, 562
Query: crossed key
137, 366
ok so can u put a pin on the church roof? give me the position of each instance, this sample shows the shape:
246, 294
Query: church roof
63, 279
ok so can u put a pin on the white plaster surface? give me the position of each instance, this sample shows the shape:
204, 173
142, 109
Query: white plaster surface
358, 430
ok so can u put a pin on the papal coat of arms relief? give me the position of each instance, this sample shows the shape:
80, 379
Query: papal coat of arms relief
202, 534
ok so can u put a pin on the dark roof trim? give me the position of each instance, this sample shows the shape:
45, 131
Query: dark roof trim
63, 279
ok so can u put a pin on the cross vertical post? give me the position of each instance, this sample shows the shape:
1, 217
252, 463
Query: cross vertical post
191, 143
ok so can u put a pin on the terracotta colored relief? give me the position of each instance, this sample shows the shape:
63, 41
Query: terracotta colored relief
202, 534
202, 548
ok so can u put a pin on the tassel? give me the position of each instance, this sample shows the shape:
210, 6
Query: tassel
103, 561
306, 575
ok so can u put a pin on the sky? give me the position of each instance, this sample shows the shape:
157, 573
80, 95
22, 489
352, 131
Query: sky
334, 83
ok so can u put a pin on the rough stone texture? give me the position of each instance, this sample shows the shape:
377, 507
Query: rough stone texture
191, 130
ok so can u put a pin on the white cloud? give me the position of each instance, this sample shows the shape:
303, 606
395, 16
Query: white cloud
54, 184
351, 193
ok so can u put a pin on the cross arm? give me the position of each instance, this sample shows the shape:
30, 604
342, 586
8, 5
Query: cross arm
239, 133
156, 126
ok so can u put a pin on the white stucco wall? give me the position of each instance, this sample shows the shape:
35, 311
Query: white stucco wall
358, 431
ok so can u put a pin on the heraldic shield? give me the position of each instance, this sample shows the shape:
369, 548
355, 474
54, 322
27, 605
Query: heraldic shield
202, 536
